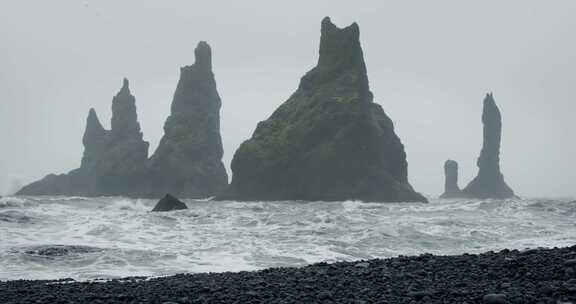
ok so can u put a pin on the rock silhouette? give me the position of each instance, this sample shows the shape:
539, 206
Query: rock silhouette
329, 141
114, 160
169, 203
123, 160
95, 140
489, 183
451, 189
188, 161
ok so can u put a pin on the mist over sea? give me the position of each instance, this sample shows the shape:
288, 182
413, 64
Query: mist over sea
92, 238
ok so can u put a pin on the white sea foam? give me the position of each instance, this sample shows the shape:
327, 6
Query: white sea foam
129, 240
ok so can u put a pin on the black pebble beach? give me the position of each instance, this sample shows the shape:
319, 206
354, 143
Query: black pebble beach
546, 276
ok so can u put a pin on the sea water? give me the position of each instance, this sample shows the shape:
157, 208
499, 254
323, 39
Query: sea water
113, 237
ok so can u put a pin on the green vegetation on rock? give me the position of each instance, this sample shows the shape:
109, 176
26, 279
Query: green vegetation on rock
329, 141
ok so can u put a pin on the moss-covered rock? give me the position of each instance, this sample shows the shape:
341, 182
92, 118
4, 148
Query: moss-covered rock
329, 141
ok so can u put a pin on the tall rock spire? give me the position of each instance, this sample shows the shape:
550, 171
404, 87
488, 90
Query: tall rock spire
130, 149
94, 130
489, 183
340, 54
451, 189
203, 56
328, 141
114, 161
124, 117
95, 140
188, 161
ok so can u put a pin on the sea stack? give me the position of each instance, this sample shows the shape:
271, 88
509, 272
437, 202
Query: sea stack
188, 161
113, 162
329, 141
451, 189
123, 161
95, 140
169, 203
489, 183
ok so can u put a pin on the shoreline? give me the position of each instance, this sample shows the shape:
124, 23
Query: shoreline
508, 276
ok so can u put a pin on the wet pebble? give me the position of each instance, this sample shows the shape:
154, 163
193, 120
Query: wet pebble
490, 278
495, 298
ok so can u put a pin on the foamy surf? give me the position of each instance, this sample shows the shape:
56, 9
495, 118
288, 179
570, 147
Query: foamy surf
90, 238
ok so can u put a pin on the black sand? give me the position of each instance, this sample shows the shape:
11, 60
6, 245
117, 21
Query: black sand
535, 276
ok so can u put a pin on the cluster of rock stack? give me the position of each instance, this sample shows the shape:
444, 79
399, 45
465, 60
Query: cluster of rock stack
489, 183
187, 162
114, 161
328, 141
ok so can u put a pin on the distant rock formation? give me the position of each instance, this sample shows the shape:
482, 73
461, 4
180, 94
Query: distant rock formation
51, 184
329, 141
114, 161
123, 160
169, 203
490, 182
451, 189
188, 161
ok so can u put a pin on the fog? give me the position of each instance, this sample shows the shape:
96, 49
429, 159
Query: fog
430, 64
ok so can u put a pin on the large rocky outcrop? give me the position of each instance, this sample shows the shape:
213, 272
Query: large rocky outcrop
489, 183
114, 161
329, 141
451, 188
188, 161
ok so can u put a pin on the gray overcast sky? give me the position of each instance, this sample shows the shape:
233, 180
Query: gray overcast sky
429, 63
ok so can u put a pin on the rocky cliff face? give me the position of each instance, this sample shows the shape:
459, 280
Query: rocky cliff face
188, 161
489, 183
451, 189
113, 162
329, 141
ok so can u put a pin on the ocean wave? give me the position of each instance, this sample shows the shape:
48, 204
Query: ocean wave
121, 237
15, 216
130, 204
14, 202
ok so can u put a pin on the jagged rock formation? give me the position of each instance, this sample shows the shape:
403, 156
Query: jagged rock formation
188, 161
114, 161
169, 203
122, 163
329, 141
451, 189
489, 183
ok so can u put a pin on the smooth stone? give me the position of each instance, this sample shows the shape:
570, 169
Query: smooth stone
495, 298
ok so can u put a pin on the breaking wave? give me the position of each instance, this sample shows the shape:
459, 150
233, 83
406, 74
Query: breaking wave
112, 237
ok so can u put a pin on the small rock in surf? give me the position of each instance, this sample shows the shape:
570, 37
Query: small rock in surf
169, 203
